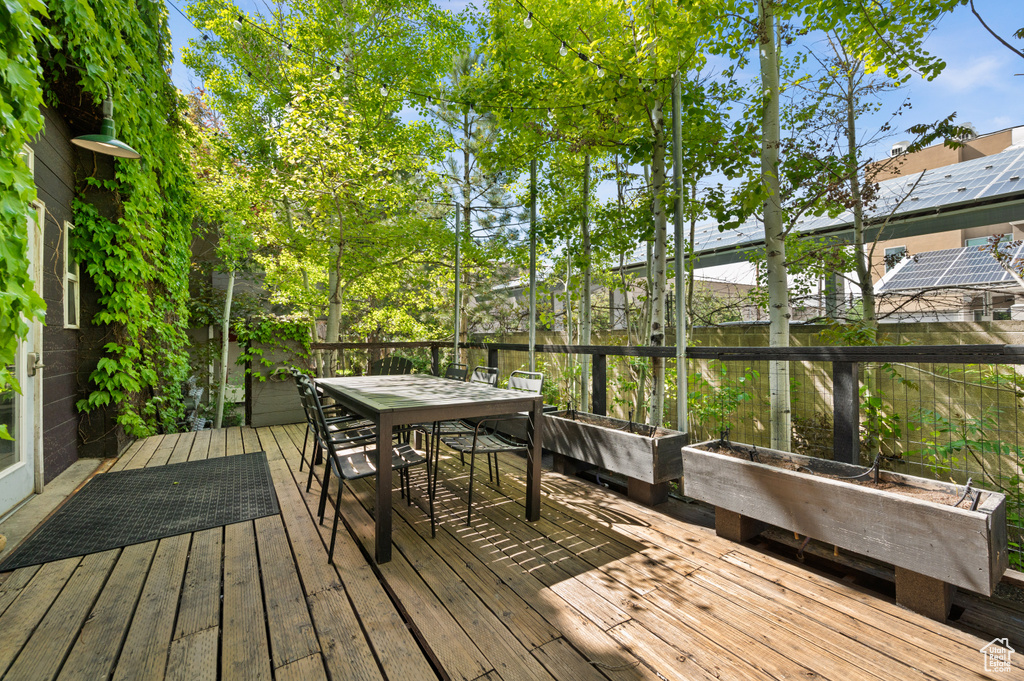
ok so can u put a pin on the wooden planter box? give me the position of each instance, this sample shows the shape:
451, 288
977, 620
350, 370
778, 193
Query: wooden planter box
928, 540
649, 463
276, 402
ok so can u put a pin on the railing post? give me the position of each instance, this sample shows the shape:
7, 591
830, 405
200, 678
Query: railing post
846, 412
492, 357
600, 386
435, 360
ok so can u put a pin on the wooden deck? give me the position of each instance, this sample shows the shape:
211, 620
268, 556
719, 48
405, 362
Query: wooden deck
600, 588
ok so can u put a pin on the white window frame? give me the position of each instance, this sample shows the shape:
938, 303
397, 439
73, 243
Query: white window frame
894, 250
30, 158
71, 277
984, 240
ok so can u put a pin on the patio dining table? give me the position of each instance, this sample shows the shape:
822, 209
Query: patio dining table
392, 401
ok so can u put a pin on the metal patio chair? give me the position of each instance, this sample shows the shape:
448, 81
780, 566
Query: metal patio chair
338, 419
392, 365
489, 440
354, 458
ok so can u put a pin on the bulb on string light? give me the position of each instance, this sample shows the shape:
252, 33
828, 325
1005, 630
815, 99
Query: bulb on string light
600, 72
237, 23
622, 81
472, 109
287, 48
551, 114
563, 50
383, 90
336, 74
584, 106
528, 21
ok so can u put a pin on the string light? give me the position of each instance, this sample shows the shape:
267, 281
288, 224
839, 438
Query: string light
336, 74
582, 56
383, 90
528, 21
600, 72
563, 50
287, 48
237, 23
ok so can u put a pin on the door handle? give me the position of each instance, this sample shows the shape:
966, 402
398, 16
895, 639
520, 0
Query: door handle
35, 363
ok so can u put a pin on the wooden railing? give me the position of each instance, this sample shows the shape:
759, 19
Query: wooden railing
845, 367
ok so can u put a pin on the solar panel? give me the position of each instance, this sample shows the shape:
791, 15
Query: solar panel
962, 183
969, 266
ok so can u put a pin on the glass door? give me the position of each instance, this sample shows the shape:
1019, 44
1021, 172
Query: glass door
20, 456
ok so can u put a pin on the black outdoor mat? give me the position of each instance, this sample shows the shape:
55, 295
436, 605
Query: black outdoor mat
130, 507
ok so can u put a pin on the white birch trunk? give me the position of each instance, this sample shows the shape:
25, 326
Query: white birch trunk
774, 236
659, 276
585, 312
225, 330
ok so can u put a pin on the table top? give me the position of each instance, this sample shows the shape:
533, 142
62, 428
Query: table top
408, 392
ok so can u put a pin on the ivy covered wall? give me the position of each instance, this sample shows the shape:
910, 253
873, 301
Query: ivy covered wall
132, 218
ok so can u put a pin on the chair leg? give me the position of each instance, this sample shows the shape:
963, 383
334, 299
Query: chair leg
337, 514
472, 464
497, 477
312, 464
430, 497
323, 491
490, 475
437, 463
304, 438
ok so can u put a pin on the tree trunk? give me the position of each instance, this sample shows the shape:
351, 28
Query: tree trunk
689, 269
774, 235
333, 305
225, 330
585, 312
867, 287
659, 283
467, 215
318, 367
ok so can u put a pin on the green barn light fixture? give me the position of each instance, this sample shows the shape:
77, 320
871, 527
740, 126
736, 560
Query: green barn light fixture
105, 142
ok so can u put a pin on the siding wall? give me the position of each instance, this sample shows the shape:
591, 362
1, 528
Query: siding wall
55, 181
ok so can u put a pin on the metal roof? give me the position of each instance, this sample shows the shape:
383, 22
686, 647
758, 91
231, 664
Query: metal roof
975, 193
952, 267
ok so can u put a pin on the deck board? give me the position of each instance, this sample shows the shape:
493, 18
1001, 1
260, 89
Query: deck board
43, 654
144, 655
245, 652
102, 636
599, 588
